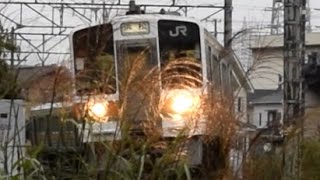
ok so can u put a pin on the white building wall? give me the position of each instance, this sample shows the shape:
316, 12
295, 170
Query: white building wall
12, 136
266, 68
263, 110
242, 139
267, 65
241, 112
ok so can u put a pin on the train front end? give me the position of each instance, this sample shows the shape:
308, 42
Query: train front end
139, 75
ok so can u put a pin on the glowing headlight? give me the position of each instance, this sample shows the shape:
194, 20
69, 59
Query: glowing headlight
97, 109
181, 101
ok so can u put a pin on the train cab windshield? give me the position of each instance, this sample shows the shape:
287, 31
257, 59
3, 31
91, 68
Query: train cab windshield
94, 60
179, 44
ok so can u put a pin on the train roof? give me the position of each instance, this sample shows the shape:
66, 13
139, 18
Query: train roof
154, 17
142, 17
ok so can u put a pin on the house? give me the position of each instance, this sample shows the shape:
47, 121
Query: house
265, 111
44, 88
265, 107
266, 75
266, 71
42, 84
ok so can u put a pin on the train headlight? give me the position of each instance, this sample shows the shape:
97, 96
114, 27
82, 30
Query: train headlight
97, 109
180, 102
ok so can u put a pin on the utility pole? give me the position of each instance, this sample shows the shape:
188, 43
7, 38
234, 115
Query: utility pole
294, 52
227, 23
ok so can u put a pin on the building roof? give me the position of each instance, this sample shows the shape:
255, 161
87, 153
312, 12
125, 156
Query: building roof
276, 41
266, 97
239, 70
28, 74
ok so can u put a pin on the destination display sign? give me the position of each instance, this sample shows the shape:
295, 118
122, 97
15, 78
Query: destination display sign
132, 28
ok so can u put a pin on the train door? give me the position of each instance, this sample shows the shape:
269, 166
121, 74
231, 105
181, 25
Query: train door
136, 62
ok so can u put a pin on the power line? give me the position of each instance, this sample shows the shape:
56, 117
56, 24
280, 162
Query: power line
60, 20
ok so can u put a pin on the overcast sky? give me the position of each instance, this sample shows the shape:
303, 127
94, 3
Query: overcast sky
256, 13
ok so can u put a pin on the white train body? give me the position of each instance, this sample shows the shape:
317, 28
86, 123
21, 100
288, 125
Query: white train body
163, 35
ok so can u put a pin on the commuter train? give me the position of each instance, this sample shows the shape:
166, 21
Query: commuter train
144, 75
156, 73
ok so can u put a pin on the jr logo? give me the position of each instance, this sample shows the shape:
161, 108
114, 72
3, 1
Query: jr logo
179, 30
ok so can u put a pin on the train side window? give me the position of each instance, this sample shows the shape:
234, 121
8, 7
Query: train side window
225, 77
234, 83
209, 64
230, 87
3, 115
216, 70
239, 104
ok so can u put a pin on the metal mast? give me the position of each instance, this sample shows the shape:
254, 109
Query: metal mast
294, 52
277, 16
308, 17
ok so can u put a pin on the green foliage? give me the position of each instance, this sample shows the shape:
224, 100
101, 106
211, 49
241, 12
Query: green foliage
5, 41
264, 167
311, 160
8, 86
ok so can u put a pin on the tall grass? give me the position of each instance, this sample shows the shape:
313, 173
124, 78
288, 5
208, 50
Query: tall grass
61, 152
137, 155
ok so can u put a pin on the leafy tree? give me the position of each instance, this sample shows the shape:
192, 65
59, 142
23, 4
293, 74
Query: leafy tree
8, 87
